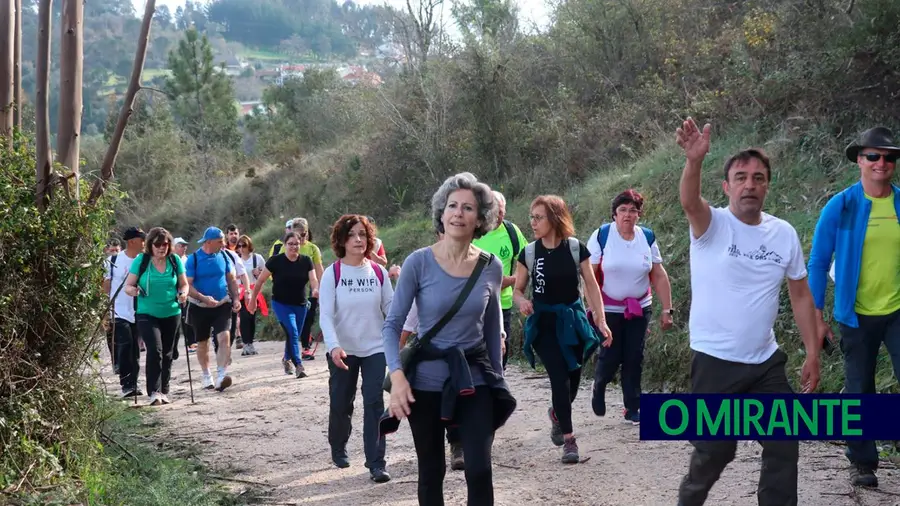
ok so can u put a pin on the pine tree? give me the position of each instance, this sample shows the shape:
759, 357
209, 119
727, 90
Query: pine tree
203, 96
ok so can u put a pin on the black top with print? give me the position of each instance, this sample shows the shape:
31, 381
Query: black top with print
555, 276
289, 278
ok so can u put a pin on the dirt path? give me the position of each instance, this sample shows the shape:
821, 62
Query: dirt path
272, 429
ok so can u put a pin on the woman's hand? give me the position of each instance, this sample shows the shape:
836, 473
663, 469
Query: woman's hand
131, 291
315, 293
665, 321
182, 297
401, 395
526, 307
251, 305
600, 322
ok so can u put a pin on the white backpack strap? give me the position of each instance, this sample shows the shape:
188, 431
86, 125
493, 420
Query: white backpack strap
575, 250
529, 259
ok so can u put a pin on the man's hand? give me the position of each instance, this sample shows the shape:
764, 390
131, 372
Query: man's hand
337, 357
694, 142
809, 375
235, 306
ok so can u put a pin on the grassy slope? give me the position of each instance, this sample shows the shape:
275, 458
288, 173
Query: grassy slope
802, 183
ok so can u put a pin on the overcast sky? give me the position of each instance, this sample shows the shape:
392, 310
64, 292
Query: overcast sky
530, 11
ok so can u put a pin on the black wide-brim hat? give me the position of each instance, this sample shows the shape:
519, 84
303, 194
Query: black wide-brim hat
878, 137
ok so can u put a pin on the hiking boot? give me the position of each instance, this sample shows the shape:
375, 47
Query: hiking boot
598, 400
570, 451
556, 433
633, 416
457, 461
299, 371
340, 459
288, 366
208, 382
223, 382
307, 354
379, 475
863, 476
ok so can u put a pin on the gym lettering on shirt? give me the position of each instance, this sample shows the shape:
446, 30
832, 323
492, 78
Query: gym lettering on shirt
737, 271
555, 277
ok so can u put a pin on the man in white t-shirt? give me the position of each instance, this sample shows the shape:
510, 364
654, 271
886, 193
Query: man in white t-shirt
739, 259
125, 333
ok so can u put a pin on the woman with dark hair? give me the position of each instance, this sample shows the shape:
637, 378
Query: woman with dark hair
557, 328
353, 300
253, 265
290, 272
156, 278
628, 263
455, 377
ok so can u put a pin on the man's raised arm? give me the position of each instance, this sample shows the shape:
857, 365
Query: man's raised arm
695, 144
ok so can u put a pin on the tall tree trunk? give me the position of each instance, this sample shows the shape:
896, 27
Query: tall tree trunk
68, 130
42, 112
7, 36
109, 161
17, 64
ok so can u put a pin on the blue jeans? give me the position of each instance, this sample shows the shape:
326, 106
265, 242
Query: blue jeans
860, 347
291, 318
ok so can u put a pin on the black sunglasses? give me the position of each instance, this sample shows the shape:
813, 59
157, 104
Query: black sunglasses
874, 157
160, 244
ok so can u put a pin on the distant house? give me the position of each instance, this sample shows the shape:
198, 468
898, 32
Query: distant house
252, 108
234, 66
363, 77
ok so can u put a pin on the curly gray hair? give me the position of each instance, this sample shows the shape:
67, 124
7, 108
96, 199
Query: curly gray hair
487, 203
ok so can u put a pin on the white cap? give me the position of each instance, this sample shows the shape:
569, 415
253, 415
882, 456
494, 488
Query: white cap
179, 240
289, 223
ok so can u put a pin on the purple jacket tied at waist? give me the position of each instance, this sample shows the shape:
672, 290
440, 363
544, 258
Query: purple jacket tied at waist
632, 305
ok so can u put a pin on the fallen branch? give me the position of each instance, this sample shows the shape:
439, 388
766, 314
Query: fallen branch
207, 431
885, 492
508, 466
113, 441
238, 480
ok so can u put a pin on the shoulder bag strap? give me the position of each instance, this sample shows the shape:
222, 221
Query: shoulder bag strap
483, 259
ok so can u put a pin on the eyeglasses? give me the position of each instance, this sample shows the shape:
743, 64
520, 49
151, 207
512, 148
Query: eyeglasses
294, 244
532, 217
874, 157
161, 244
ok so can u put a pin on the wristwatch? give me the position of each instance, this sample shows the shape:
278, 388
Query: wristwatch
669, 311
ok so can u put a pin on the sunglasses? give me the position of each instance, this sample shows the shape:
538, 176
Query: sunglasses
874, 157
239, 246
161, 244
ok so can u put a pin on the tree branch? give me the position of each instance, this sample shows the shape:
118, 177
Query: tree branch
109, 161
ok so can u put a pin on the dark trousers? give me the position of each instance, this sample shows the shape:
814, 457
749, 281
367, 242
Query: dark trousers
778, 474
477, 437
110, 332
342, 391
627, 351
507, 326
232, 333
860, 347
248, 325
306, 331
563, 382
186, 329
128, 355
160, 336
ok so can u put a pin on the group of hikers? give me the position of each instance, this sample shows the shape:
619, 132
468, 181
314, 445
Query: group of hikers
438, 341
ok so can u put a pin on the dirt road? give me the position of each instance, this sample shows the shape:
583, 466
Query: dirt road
272, 429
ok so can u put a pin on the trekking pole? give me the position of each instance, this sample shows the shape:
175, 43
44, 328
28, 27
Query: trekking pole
187, 356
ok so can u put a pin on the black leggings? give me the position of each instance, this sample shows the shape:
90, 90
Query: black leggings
248, 324
563, 382
160, 336
476, 434
306, 331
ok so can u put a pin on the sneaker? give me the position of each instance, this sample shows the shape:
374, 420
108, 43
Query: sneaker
223, 382
208, 382
570, 451
245, 351
340, 459
253, 349
632, 416
128, 392
379, 475
457, 460
598, 400
307, 354
239, 345
556, 433
863, 476
288, 366
155, 399
165, 398
299, 371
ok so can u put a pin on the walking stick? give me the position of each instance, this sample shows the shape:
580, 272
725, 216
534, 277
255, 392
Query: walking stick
187, 356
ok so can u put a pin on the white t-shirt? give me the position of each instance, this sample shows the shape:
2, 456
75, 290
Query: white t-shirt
626, 266
124, 305
352, 314
238, 264
736, 275
412, 319
248, 266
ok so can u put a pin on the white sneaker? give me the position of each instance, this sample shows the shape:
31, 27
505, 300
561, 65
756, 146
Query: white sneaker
223, 382
207, 382
165, 398
155, 399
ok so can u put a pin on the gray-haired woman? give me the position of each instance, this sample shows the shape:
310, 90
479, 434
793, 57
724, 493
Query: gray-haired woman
456, 378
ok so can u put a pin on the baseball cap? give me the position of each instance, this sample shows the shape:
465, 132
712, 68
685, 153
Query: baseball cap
179, 240
211, 234
289, 223
134, 233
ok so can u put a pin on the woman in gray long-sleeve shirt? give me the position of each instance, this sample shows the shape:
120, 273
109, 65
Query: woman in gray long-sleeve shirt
462, 209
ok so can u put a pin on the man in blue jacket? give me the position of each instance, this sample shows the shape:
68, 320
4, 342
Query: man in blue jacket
860, 229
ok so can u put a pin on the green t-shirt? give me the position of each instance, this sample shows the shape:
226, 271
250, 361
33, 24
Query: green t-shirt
499, 243
160, 288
